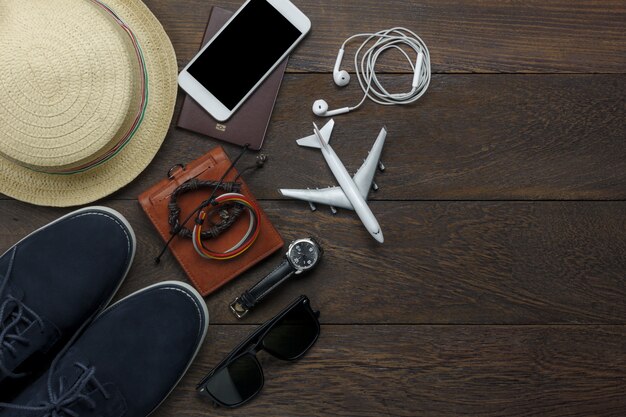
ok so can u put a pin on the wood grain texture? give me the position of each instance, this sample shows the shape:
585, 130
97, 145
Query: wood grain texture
429, 371
463, 35
501, 287
442, 262
471, 137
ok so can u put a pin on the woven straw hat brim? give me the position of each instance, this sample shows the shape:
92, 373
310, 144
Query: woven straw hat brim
76, 189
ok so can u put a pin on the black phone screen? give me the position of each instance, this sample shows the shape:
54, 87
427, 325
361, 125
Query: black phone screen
244, 52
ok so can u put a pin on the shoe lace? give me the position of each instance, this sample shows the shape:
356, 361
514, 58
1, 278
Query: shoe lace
60, 400
17, 317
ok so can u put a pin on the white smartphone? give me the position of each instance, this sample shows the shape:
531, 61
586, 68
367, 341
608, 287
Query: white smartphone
242, 54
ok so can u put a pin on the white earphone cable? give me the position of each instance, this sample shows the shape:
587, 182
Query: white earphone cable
366, 69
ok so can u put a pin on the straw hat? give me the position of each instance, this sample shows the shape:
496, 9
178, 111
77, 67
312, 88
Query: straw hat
87, 92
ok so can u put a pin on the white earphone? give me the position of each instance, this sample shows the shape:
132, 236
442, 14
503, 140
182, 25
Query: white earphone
320, 108
366, 74
341, 78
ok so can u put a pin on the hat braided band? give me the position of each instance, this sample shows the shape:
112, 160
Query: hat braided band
140, 113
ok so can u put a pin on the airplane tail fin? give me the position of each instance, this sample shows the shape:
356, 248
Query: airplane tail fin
312, 141
309, 142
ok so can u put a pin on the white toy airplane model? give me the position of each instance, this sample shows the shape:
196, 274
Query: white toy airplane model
352, 192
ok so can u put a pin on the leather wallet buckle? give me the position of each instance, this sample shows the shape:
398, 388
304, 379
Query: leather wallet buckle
238, 309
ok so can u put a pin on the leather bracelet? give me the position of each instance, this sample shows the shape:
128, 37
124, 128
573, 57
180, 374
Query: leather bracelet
193, 185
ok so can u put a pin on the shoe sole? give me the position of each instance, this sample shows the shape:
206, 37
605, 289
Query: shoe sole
205, 313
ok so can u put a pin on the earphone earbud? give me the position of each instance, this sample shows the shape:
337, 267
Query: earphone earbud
341, 77
320, 108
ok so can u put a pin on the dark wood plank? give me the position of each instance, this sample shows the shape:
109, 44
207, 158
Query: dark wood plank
442, 262
463, 36
430, 371
490, 308
471, 137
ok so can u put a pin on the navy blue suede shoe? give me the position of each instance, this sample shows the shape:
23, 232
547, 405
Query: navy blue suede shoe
52, 282
126, 361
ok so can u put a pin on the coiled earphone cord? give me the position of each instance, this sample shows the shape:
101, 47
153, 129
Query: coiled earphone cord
366, 73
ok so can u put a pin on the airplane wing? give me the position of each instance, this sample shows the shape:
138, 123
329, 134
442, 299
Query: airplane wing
332, 196
312, 142
365, 174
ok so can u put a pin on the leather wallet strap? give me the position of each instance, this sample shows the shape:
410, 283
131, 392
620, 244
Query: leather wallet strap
261, 289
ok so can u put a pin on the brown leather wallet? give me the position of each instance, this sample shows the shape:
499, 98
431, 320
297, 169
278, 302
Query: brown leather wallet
207, 275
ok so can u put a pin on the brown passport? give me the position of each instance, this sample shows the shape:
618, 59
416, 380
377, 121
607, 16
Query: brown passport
250, 121
207, 275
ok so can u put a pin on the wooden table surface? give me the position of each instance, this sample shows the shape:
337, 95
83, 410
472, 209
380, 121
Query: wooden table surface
500, 289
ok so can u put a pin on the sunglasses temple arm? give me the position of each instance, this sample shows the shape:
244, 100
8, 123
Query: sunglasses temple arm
200, 385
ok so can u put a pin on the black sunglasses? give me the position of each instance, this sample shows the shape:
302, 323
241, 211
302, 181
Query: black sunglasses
239, 377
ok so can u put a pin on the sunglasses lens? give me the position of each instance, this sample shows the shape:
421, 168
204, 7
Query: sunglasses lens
237, 382
294, 334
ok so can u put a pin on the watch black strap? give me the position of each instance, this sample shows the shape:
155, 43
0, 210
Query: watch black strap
254, 295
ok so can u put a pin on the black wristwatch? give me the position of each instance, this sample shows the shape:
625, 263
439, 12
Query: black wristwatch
302, 255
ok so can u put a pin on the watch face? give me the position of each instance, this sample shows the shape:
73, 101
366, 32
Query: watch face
304, 255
